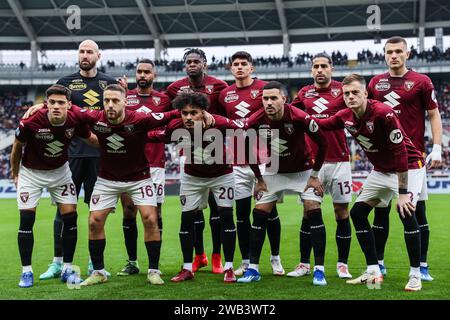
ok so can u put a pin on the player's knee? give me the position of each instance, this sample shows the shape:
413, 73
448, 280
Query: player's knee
187, 220
150, 221
360, 212
226, 216
95, 224
27, 218
341, 211
310, 205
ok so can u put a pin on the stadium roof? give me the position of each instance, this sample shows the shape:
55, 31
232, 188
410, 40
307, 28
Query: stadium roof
182, 23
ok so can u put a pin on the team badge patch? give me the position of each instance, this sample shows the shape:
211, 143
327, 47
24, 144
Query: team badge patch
70, 132
156, 101
95, 198
129, 128
209, 88
335, 92
289, 128
102, 84
369, 125
408, 85
24, 196
183, 200
254, 93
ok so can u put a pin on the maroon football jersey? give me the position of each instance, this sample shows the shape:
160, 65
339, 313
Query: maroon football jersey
321, 104
409, 96
122, 155
241, 103
210, 86
380, 135
293, 153
202, 170
155, 102
47, 145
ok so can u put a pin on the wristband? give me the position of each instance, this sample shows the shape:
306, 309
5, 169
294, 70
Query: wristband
437, 148
402, 191
314, 174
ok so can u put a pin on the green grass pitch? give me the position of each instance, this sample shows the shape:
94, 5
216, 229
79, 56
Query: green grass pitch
210, 286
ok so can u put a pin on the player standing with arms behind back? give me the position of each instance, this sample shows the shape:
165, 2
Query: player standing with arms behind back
410, 94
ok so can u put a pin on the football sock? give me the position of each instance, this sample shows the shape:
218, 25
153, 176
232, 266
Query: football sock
214, 223
412, 239
160, 222
424, 230
199, 226
96, 249
274, 231
130, 233
153, 252
187, 235
228, 232
243, 209
25, 236
359, 213
257, 235
57, 233
69, 235
380, 229
343, 239
318, 235
305, 241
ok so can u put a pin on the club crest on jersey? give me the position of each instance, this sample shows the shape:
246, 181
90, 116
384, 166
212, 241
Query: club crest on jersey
254, 93
369, 125
129, 128
95, 198
102, 84
311, 93
335, 92
156, 101
289, 128
24, 196
383, 85
70, 132
231, 97
183, 199
408, 85
209, 88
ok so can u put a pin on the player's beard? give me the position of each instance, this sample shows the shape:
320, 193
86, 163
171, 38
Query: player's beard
88, 66
143, 84
113, 114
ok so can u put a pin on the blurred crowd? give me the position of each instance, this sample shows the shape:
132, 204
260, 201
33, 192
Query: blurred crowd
339, 59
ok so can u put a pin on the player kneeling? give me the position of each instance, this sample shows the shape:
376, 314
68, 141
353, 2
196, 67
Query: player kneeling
46, 137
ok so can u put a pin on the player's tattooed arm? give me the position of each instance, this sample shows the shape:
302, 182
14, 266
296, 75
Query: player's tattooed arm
32, 110
16, 156
404, 204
